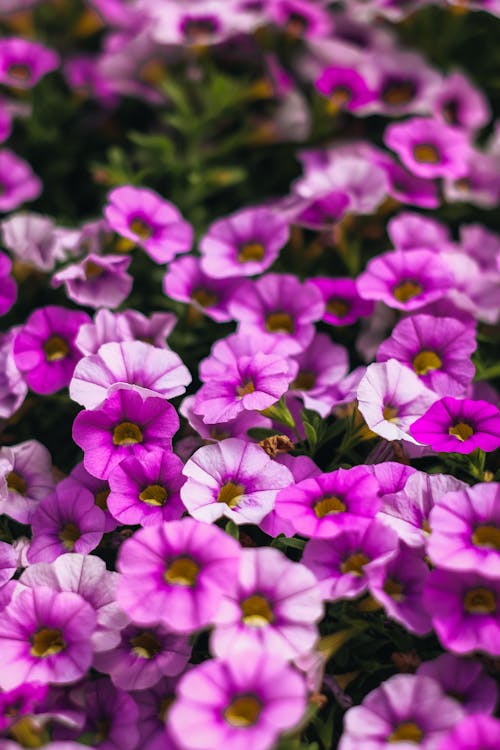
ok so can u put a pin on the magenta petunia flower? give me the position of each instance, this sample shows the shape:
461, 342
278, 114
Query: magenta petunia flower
321, 367
45, 637
8, 287
143, 656
345, 88
464, 680
27, 468
13, 388
23, 62
398, 584
341, 564
405, 281
146, 490
18, 183
343, 305
66, 521
143, 216
322, 506
186, 282
124, 425
407, 509
19, 702
406, 710
429, 148
390, 398
473, 733
299, 18
245, 702
438, 350
458, 102
129, 325
176, 573
232, 478
128, 365
97, 280
87, 576
409, 231
407, 188
243, 244
45, 350
240, 376
280, 309
466, 530
207, 433
275, 607
465, 610
459, 426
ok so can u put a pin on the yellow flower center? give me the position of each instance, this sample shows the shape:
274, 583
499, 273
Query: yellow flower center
47, 642
19, 71
279, 322
480, 601
408, 731
251, 251
146, 645
426, 526
127, 433
340, 96
154, 494
183, 571
101, 499
70, 533
461, 430
141, 229
394, 589
256, 611
243, 711
28, 734
92, 270
338, 307
406, 290
305, 380
354, 564
204, 298
486, 536
55, 348
329, 506
426, 153
425, 361
230, 493
245, 388
16, 482
398, 92
390, 413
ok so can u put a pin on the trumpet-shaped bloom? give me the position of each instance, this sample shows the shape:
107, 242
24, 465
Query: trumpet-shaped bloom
459, 426
97, 280
23, 62
27, 468
18, 181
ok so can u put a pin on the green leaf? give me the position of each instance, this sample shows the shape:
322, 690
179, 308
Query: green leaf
232, 529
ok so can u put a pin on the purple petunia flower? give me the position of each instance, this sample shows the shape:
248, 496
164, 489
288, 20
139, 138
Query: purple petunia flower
146, 490
323, 505
23, 62
321, 367
458, 102
405, 281
8, 287
34, 239
176, 573
280, 309
343, 305
345, 88
143, 656
473, 733
429, 148
438, 350
97, 280
129, 325
143, 216
243, 244
232, 478
154, 705
341, 564
275, 606
466, 530
464, 680
406, 710
465, 610
45, 350
459, 426
45, 637
409, 231
186, 282
66, 521
20, 701
87, 576
80, 477
128, 365
245, 701
13, 388
124, 425
18, 183
27, 468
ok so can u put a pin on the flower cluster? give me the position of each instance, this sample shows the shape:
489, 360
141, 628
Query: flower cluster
281, 527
